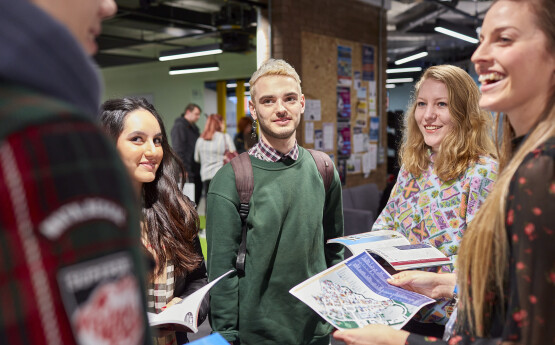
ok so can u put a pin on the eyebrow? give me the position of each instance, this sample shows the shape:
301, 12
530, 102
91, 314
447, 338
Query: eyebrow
497, 30
143, 133
274, 96
433, 99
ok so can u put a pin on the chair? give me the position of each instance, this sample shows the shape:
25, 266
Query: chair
360, 207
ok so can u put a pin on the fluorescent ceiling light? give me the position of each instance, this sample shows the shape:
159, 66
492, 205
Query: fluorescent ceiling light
175, 54
399, 80
457, 31
403, 70
410, 58
389, 86
455, 34
233, 85
194, 69
416, 54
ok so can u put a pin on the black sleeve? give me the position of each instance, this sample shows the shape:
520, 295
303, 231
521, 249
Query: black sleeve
531, 234
239, 143
179, 144
184, 286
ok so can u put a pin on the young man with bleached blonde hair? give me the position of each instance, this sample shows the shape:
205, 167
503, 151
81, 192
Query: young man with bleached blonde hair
291, 217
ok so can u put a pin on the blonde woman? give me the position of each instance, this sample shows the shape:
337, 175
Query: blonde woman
506, 265
447, 170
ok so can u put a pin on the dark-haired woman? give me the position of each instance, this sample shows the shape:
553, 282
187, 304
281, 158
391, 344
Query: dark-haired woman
169, 220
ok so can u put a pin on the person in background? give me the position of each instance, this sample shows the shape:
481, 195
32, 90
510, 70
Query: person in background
184, 136
447, 171
505, 270
210, 148
72, 270
291, 217
170, 222
245, 138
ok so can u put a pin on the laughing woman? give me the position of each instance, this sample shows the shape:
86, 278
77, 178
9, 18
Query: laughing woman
170, 222
506, 264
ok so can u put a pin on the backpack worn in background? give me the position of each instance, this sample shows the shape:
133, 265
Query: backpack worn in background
244, 181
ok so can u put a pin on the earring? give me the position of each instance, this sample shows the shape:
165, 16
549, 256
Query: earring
253, 132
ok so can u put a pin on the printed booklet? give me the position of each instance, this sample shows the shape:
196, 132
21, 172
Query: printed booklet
355, 293
394, 248
183, 316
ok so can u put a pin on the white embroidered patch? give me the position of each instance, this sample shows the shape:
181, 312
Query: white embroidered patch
81, 211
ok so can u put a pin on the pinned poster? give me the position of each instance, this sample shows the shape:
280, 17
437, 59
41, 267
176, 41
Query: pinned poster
369, 159
328, 135
374, 128
359, 144
309, 132
319, 140
313, 110
362, 113
372, 96
354, 164
343, 139
344, 65
342, 170
367, 62
343, 103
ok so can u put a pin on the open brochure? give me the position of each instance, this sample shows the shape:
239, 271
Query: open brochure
183, 316
355, 293
394, 248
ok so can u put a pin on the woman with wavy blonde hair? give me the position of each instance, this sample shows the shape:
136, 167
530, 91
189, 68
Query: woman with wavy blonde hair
469, 136
447, 170
506, 266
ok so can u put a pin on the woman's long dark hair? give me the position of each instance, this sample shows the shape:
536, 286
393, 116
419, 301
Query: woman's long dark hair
171, 222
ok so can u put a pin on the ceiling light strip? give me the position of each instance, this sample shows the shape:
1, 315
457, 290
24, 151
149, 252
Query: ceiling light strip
190, 55
403, 70
410, 58
399, 80
194, 69
456, 34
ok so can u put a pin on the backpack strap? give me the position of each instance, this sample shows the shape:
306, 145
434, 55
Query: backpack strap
244, 181
324, 165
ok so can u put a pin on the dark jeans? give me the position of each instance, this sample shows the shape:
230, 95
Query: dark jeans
206, 184
198, 189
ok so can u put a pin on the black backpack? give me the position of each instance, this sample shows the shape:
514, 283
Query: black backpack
244, 181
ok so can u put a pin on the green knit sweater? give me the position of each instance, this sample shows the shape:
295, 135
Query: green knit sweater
288, 226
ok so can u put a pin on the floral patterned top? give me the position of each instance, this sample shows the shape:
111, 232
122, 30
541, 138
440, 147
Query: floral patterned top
428, 210
530, 311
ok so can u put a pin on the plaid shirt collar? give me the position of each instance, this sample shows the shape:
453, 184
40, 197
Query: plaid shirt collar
267, 153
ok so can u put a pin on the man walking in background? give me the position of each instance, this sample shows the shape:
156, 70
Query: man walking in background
71, 270
184, 137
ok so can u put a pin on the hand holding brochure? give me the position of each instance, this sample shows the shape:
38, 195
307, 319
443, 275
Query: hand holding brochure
394, 248
355, 293
183, 316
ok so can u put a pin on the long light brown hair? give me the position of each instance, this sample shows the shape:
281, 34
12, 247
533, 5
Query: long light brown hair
483, 258
469, 138
213, 125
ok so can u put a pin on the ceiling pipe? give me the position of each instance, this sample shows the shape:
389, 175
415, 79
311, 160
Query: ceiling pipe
454, 9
